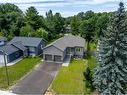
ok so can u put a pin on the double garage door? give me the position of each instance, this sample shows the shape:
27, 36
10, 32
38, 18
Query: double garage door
55, 58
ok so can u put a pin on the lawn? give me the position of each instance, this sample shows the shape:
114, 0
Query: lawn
70, 80
17, 71
92, 62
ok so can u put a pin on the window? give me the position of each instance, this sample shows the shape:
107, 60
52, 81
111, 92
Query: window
17, 54
31, 49
78, 49
41, 46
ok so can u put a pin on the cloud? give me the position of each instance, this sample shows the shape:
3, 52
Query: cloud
27, 1
67, 7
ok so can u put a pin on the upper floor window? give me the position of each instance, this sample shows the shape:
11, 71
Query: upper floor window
32, 49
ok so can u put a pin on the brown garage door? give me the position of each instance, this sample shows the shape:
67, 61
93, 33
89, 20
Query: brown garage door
48, 57
57, 58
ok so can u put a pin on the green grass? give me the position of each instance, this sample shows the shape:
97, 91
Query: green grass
92, 63
70, 80
93, 46
17, 71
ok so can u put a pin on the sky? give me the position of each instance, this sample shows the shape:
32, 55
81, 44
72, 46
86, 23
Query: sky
67, 7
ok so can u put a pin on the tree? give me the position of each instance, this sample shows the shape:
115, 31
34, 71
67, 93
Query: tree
58, 23
81, 16
10, 17
87, 29
49, 20
26, 30
111, 73
75, 25
32, 18
88, 77
88, 15
101, 24
55, 24
41, 33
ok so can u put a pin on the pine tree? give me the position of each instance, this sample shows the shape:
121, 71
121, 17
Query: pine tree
111, 73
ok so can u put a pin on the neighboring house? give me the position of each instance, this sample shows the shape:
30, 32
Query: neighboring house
20, 47
33, 45
66, 46
68, 29
3, 41
11, 53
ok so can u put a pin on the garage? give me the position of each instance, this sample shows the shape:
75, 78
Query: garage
57, 58
48, 57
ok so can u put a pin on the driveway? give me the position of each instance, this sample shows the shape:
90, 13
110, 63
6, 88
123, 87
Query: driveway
38, 81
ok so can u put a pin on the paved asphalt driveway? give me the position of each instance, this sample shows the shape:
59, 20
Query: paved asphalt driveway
38, 81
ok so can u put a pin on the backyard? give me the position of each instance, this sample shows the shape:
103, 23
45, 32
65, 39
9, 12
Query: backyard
17, 71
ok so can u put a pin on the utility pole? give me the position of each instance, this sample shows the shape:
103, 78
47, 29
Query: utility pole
6, 68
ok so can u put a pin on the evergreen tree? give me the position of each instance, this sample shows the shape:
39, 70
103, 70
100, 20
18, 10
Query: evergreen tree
32, 18
111, 73
58, 23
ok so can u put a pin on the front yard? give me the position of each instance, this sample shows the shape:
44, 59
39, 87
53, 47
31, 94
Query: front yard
17, 71
70, 80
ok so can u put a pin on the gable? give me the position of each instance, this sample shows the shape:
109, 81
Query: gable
52, 50
28, 41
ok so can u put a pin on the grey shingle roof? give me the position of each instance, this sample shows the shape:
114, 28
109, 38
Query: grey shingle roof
9, 49
68, 41
27, 41
19, 45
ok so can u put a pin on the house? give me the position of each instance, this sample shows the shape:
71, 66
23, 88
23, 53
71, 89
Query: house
33, 45
68, 29
67, 46
3, 41
20, 47
11, 53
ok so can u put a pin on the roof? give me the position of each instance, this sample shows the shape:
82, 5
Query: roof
68, 41
19, 45
8, 49
3, 39
27, 41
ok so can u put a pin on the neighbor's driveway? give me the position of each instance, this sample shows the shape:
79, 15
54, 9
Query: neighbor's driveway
38, 81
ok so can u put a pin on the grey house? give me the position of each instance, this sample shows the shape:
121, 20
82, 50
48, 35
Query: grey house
34, 45
20, 47
67, 46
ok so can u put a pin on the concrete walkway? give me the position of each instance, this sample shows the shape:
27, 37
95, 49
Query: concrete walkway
66, 61
38, 81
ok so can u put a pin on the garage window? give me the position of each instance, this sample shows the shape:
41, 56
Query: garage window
48, 57
57, 58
